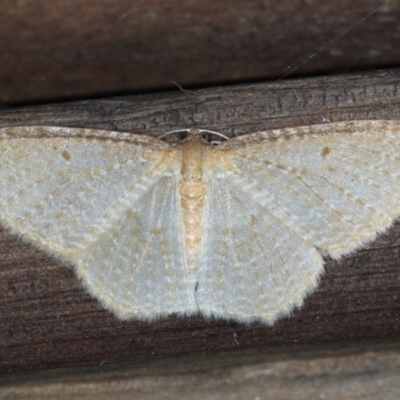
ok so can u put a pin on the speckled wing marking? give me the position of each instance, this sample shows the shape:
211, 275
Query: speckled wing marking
275, 197
254, 267
148, 277
109, 205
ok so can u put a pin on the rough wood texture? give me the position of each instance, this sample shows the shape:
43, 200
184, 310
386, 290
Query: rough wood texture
58, 50
366, 371
48, 320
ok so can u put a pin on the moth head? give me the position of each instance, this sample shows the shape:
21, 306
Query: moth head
211, 138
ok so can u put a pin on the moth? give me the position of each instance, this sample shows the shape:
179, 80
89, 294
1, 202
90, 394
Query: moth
234, 230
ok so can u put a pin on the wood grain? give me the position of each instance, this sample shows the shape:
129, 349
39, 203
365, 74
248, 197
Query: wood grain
332, 372
60, 50
47, 320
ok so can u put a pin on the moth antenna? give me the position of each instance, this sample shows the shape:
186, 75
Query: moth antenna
172, 133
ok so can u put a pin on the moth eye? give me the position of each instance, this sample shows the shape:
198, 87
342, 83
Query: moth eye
183, 135
213, 138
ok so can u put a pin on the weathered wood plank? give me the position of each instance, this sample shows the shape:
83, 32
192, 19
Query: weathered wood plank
352, 371
59, 50
46, 318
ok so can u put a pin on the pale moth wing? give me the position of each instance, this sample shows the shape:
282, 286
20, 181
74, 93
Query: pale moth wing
235, 231
108, 205
277, 197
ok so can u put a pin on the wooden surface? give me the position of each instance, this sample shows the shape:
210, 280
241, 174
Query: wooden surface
66, 49
335, 372
47, 320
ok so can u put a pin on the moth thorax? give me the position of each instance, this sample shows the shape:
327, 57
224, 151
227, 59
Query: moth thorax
193, 191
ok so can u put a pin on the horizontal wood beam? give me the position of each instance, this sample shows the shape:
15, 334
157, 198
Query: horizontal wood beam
47, 319
66, 50
367, 370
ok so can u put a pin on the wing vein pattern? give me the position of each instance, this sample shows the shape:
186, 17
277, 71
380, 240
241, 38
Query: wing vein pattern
290, 199
110, 208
